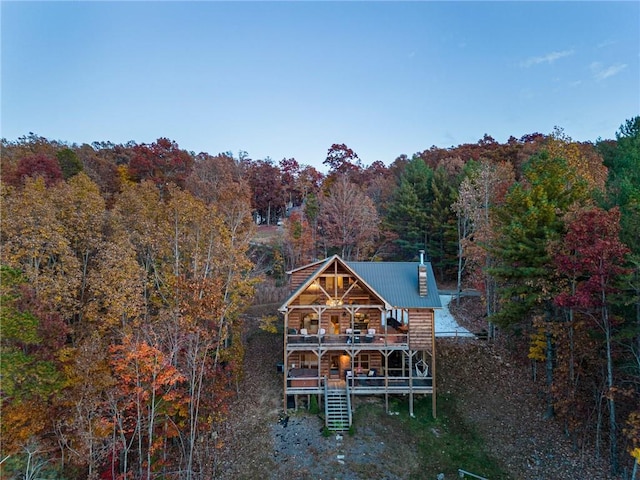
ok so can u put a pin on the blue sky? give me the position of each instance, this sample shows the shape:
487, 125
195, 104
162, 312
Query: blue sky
288, 79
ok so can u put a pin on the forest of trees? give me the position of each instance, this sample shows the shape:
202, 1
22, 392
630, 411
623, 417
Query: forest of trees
126, 269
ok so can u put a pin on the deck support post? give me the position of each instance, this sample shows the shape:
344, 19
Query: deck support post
433, 374
285, 369
411, 354
386, 378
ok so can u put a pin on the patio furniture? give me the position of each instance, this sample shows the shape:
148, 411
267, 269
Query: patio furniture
293, 335
305, 335
371, 335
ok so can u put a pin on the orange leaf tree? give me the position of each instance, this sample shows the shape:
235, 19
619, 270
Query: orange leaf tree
146, 402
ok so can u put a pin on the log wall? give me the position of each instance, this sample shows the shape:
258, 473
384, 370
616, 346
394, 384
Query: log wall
421, 329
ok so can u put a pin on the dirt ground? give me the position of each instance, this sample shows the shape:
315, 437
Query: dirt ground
493, 389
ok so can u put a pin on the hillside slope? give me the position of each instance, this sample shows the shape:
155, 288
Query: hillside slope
494, 395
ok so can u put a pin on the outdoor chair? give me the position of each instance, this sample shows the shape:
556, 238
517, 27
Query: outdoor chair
371, 335
305, 335
349, 333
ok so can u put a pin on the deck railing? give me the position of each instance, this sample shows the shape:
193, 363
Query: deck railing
362, 384
298, 341
390, 384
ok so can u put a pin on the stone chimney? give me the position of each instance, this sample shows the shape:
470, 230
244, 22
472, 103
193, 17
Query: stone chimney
422, 276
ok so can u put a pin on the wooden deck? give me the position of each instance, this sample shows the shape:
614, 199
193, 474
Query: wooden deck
363, 385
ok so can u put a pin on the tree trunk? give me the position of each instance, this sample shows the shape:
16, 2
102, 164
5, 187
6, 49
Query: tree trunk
636, 289
462, 233
549, 369
598, 447
613, 439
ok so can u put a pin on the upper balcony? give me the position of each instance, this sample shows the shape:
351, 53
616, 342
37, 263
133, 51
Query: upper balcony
351, 338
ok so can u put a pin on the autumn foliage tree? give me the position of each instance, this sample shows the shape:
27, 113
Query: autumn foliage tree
342, 160
119, 258
479, 194
348, 220
161, 162
31, 373
125, 316
146, 404
298, 243
216, 178
35, 242
592, 257
268, 198
33, 166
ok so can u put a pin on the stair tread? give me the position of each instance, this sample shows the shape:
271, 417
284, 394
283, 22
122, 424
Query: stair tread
337, 413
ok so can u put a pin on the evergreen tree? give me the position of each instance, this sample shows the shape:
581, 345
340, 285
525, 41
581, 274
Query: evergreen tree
528, 222
529, 219
623, 182
311, 210
69, 163
441, 220
622, 158
408, 212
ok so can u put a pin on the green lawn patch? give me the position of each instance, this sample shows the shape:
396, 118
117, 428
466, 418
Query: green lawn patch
443, 445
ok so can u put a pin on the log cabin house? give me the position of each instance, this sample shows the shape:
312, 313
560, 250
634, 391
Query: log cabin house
359, 328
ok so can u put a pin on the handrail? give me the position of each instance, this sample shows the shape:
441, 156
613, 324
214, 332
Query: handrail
367, 383
348, 402
326, 404
294, 339
462, 473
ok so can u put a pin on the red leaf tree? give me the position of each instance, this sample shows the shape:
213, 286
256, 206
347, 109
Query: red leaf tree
162, 161
39, 165
592, 258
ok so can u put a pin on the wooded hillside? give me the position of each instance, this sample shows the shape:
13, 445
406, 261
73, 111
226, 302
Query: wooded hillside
126, 269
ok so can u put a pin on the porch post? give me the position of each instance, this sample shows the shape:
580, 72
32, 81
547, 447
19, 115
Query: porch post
411, 354
386, 378
433, 369
285, 369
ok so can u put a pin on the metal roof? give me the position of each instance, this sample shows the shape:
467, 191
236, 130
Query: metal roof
397, 283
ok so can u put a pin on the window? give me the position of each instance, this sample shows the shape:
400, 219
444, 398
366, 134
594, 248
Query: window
308, 360
334, 362
310, 322
361, 362
329, 285
361, 321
